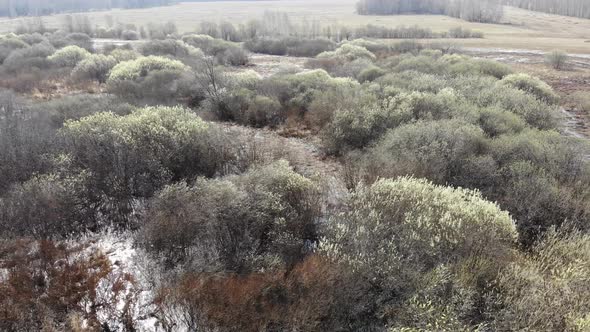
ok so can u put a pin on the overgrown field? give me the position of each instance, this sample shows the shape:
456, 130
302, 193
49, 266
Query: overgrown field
181, 183
520, 29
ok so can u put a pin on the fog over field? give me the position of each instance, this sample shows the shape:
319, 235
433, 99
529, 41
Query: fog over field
294, 165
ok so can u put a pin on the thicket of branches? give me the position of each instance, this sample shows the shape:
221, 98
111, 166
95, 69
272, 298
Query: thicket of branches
577, 8
39, 7
488, 11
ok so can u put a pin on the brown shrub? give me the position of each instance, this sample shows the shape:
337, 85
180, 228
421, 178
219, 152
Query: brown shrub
299, 299
49, 286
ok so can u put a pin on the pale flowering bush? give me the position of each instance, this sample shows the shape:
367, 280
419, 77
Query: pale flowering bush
133, 69
124, 55
398, 227
154, 78
426, 252
69, 56
170, 47
549, 288
348, 52
304, 85
132, 156
352, 128
95, 67
436, 150
247, 78
532, 85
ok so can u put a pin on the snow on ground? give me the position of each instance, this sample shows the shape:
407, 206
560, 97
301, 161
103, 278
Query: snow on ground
126, 260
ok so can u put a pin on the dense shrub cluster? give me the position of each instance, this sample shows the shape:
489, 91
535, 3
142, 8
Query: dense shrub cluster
411, 241
35, 56
95, 67
262, 219
36, 61
105, 165
548, 289
534, 86
224, 52
248, 99
170, 47
290, 46
278, 26
348, 52
78, 106
152, 77
387, 224
160, 144
69, 56
28, 134
133, 69
476, 131
9, 43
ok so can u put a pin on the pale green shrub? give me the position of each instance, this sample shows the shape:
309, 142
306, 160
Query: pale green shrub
69, 56
94, 67
535, 112
159, 144
124, 55
348, 52
492, 68
370, 74
353, 128
27, 58
200, 41
9, 43
423, 64
269, 212
557, 59
549, 289
414, 81
263, 111
247, 78
435, 150
532, 85
133, 69
326, 102
497, 122
303, 86
395, 232
170, 47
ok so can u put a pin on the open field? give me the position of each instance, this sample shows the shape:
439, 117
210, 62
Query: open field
521, 29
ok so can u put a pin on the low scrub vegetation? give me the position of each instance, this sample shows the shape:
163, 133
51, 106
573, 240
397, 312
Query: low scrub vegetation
161, 187
279, 26
290, 46
557, 59
69, 56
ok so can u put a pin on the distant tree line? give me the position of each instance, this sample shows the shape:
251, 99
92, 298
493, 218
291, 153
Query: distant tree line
578, 8
15, 8
470, 10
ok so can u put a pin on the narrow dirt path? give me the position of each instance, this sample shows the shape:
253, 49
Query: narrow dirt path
573, 124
